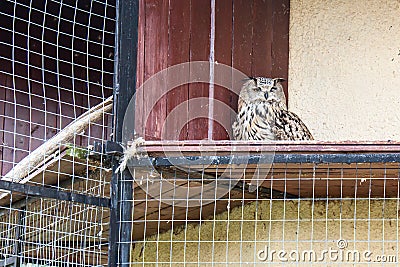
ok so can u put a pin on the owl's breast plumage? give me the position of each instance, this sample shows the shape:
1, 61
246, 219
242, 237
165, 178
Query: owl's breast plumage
253, 122
265, 121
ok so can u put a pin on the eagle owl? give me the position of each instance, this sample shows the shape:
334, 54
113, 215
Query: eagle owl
263, 115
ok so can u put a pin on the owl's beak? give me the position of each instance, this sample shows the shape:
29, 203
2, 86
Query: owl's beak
266, 95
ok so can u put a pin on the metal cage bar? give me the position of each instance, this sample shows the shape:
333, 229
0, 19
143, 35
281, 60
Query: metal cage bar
124, 89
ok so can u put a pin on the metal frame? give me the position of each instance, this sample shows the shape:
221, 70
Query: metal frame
346, 158
20, 233
48, 192
126, 35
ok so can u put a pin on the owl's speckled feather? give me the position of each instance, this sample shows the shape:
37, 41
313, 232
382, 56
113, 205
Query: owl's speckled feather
263, 115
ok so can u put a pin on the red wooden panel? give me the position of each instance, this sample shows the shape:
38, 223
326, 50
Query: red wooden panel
179, 40
3, 82
262, 38
68, 106
199, 50
8, 128
139, 124
44, 110
22, 125
96, 131
223, 54
16, 124
38, 118
242, 39
156, 50
242, 35
248, 35
81, 100
280, 43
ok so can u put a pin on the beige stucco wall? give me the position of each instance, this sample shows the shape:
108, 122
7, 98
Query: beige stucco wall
280, 225
344, 73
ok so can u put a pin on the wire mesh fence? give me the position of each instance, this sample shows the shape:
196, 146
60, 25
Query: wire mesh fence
314, 208
57, 63
215, 204
53, 232
56, 80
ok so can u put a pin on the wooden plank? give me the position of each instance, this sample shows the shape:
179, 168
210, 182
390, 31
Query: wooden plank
242, 43
199, 51
38, 119
242, 35
3, 89
156, 56
280, 42
41, 118
96, 131
307, 147
139, 123
179, 40
278, 143
338, 188
65, 109
223, 54
19, 126
81, 101
16, 125
262, 38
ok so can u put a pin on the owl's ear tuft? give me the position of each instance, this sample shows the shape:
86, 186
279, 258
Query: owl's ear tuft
250, 79
278, 80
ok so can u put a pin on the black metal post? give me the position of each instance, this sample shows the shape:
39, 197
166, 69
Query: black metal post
126, 33
19, 235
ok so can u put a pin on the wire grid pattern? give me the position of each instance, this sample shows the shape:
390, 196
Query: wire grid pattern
56, 64
349, 210
52, 232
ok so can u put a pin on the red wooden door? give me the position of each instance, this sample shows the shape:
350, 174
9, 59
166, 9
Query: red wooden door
251, 36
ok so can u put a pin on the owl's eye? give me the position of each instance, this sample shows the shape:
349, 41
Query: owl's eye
258, 89
273, 88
